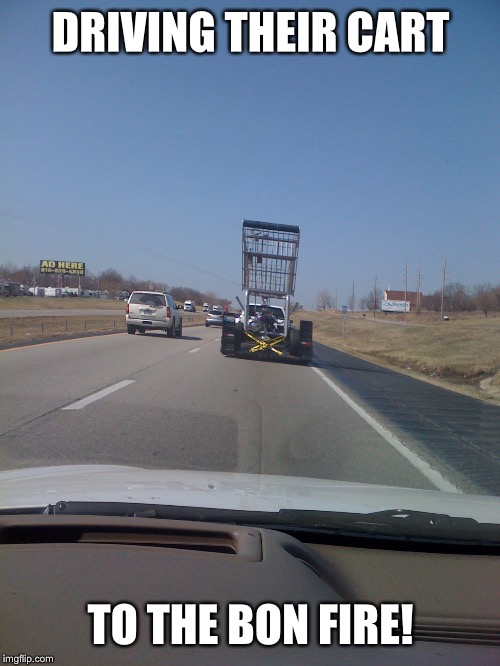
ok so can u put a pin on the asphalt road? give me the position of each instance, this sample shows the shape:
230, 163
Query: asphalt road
179, 404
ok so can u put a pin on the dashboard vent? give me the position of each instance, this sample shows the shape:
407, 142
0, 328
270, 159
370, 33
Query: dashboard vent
242, 542
474, 632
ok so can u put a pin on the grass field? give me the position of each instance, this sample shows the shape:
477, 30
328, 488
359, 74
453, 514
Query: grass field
463, 352
20, 330
39, 303
25, 329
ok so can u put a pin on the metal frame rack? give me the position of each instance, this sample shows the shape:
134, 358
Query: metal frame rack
270, 253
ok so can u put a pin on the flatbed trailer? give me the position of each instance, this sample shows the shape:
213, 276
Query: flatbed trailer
269, 267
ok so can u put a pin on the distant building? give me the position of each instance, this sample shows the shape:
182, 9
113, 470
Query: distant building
415, 299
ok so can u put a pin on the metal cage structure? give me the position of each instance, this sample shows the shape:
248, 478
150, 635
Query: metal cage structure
270, 253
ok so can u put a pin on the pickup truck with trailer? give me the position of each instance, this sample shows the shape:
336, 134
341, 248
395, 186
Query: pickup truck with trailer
263, 329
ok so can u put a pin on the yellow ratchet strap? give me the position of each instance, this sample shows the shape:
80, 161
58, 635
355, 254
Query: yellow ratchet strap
263, 344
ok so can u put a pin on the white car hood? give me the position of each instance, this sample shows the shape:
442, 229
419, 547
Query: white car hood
36, 487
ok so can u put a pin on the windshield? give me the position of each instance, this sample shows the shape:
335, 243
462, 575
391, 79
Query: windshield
348, 163
155, 300
275, 311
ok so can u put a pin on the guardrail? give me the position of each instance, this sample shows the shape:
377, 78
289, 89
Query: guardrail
193, 319
24, 329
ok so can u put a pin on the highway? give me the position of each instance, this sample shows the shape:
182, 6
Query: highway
156, 402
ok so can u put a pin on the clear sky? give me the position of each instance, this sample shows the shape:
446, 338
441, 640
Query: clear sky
148, 163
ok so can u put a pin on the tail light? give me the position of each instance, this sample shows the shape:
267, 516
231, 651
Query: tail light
168, 312
127, 309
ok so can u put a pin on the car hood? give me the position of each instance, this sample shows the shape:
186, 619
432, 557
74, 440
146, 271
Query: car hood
35, 487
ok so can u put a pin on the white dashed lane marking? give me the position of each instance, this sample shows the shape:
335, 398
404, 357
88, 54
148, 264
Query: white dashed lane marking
80, 404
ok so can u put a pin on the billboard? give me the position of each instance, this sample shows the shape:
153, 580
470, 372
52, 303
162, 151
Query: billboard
395, 306
54, 267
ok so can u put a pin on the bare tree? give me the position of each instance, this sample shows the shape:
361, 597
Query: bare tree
484, 297
457, 297
110, 280
365, 303
7, 270
325, 300
211, 298
369, 300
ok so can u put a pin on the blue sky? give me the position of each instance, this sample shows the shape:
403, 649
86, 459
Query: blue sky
148, 163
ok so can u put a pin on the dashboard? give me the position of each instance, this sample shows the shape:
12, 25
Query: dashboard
57, 571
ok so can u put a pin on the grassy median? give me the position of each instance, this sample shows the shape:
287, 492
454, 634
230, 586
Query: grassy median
20, 330
39, 303
16, 330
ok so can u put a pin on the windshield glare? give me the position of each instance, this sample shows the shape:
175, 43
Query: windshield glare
276, 312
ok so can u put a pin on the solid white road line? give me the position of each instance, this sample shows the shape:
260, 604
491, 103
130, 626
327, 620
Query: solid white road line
80, 404
423, 467
192, 351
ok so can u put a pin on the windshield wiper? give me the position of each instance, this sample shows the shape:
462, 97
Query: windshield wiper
399, 524
404, 524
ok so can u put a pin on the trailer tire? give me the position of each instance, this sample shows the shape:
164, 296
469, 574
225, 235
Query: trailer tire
238, 337
227, 342
294, 342
306, 336
306, 329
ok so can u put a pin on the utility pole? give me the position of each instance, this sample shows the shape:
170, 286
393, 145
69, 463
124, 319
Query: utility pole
352, 298
336, 293
442, 289
375, 296
418, 289
406, 284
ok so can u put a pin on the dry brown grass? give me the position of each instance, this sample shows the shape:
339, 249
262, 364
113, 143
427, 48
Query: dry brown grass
25, 329
16, 330
463, 351
39, 303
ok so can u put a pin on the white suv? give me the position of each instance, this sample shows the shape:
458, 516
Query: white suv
153, 310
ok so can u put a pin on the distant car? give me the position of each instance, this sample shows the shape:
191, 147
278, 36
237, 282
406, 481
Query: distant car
206, 307
153, 310
214, 318
216, 307
189, 306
